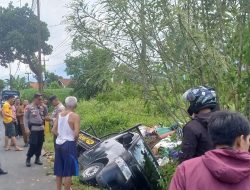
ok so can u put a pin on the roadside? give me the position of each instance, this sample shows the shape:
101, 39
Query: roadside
49, 147
19, 176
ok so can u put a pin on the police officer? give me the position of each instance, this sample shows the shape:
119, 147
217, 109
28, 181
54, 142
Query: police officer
34, 120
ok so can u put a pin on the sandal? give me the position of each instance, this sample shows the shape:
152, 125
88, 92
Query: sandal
19, 149
7, 148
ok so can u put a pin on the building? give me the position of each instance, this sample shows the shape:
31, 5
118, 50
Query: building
64, 83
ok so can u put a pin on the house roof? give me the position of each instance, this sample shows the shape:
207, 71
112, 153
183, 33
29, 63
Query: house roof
65, 82
34, 85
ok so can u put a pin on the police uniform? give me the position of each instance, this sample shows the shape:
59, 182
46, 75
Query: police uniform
34, 119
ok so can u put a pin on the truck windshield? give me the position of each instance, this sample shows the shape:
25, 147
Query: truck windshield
146, 161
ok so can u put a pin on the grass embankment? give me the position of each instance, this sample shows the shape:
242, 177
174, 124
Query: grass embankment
116, 116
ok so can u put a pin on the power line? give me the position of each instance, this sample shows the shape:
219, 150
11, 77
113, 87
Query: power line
18, 68
61, 52
61, 44
44, 66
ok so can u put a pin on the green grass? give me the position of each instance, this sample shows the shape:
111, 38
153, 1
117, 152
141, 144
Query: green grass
78, 186
116, 116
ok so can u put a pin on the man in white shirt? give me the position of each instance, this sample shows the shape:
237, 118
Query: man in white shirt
58, 108
66, 128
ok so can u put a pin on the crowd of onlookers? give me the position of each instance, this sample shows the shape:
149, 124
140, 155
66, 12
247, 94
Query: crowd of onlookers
22, 119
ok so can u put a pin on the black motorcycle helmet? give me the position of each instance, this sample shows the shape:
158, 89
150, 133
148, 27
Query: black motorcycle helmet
200, 98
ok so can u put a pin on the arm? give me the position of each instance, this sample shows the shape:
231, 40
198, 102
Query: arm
76, 126
19, 112
178, 181
189, 143
55, 127
26, 118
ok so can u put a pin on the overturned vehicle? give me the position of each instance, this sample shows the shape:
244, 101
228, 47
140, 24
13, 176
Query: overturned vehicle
122, 160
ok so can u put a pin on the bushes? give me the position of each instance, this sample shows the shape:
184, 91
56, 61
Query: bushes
60, 93
115, 116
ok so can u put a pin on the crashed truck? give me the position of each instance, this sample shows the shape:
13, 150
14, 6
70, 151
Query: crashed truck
128, 160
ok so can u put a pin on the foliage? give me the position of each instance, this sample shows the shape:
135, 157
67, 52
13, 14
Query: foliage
20, 29
2, 84
54, 85
114, 116
79, 186
51, 77
168, 171
169, 46
60, 93
18, 83
91, 71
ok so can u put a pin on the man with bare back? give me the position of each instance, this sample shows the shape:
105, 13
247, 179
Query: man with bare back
66, 128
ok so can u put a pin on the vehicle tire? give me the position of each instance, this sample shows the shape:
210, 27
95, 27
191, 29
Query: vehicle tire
88, 174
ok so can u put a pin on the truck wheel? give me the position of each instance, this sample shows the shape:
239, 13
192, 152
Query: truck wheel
88, 174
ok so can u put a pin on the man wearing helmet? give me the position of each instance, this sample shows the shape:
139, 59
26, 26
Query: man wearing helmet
196, 140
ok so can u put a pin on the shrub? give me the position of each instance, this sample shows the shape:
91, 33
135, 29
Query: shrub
54, 85
60, 93
113, 116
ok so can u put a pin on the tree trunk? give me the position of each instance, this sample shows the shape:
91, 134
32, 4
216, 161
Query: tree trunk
37, 70
143, 54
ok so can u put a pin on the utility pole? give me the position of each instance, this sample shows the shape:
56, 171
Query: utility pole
40, 78
10, 77
28, 73
44, 66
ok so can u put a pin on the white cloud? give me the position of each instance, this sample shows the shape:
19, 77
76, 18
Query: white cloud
52, 12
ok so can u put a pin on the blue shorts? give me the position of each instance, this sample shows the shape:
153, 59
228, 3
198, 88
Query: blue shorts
66, 163
10, 130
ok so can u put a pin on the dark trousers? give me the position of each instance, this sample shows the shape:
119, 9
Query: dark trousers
36, 143
18, 128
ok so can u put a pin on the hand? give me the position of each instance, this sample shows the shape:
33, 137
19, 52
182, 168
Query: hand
48, 118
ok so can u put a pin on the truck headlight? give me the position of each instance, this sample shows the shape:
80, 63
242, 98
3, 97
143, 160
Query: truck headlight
123, 167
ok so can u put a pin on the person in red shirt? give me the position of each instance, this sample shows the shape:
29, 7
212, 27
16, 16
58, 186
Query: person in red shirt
225, 168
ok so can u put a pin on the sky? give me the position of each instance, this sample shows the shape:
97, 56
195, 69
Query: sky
52, 12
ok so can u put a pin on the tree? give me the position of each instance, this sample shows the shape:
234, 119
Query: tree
19, 38
91, 71
51, 77
54, 85
17, 83
172, 45
2, 85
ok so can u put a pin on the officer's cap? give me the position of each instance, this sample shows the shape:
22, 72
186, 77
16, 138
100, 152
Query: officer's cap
37, 95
